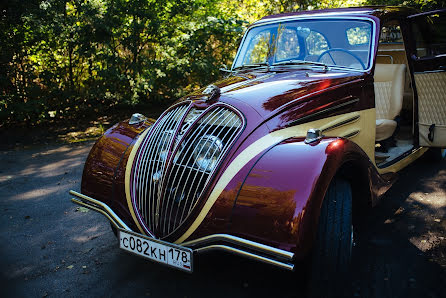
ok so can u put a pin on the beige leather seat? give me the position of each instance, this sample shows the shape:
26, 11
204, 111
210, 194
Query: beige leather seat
389, 91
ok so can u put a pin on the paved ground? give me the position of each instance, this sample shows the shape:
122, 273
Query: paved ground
49, 248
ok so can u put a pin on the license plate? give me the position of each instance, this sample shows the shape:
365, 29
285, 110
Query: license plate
156, 250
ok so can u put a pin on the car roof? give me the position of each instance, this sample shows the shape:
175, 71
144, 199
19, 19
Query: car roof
377, 11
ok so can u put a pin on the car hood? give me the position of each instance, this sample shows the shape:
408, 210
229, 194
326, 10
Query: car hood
268, 92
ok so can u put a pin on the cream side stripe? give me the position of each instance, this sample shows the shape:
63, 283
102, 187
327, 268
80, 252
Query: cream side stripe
128, 171
365, 140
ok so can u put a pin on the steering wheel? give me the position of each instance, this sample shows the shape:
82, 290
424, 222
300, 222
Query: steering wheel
327, 52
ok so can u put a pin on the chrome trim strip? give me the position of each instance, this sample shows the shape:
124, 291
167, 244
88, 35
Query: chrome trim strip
242, 242
311, 16
273, 252
427, 13
327, 16
318, 113
336, 125
100, 207
351, 134
429, 71
246, 254
389, 56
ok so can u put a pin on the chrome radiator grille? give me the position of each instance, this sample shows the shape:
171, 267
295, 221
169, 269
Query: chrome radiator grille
175, 163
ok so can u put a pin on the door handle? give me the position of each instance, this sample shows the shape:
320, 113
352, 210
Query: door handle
431, 134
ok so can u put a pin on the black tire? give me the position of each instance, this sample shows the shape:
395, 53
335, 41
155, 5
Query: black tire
333, 247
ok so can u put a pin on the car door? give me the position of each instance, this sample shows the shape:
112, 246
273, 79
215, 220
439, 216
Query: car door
427, 59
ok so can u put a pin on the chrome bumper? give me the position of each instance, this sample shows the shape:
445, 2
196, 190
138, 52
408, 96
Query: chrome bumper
219, 242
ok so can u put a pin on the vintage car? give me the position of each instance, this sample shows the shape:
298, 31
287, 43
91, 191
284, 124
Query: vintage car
278, 160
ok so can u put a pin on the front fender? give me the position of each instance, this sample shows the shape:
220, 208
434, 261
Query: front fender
103, 177
280, 200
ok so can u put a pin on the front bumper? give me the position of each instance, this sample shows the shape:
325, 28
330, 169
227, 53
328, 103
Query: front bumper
216, 242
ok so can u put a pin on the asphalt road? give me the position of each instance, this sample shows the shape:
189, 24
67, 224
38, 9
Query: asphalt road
51, 248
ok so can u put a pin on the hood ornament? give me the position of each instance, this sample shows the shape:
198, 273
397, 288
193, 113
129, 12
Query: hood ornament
211, 93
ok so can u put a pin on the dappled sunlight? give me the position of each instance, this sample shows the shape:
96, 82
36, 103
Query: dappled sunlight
89, 234
426, 199
6, 178
59, 167
51, 169
78, 152
434, 194
39, 193
93, 229
30, 170
52, 151
20, 271
427, 241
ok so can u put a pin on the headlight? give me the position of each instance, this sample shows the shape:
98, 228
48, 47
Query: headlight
163, 144
206, 152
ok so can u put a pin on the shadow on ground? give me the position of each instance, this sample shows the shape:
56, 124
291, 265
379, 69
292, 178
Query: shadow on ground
50, 247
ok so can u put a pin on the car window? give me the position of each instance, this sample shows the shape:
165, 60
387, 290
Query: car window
316, 43
287, 45
358, 35
258, 48
321, 40
391, 33
430, 35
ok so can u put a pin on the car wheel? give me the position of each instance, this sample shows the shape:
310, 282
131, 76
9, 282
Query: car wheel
334, 241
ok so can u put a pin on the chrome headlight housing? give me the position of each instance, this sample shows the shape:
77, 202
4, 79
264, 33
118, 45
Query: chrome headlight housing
207, 150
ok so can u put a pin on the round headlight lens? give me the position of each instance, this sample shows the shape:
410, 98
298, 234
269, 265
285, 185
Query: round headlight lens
207, 151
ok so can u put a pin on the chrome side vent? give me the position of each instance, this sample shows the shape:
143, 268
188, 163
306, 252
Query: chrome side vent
176, 162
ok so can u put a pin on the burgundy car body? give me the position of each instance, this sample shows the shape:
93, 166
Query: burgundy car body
274, 181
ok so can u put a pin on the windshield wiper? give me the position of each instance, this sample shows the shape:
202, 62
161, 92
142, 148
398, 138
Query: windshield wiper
246, 66
301, 62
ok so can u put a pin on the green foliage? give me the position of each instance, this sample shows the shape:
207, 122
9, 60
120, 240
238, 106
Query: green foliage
64, 58
68, 58
424, 5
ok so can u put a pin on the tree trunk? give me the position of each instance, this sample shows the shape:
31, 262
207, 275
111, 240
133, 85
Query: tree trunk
70, 66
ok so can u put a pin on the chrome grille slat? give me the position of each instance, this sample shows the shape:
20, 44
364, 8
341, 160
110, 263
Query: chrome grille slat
146, 175
192, 139
191, 142
232, 137
195, 176
147, 156
224, 149
165, 190
140, 176
156, 168
162, 169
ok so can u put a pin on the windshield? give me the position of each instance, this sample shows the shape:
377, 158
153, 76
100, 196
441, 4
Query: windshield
333, 42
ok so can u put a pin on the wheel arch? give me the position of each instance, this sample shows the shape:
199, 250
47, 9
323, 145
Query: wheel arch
273, 208
358, 175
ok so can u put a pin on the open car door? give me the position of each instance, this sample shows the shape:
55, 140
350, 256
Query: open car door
427, 58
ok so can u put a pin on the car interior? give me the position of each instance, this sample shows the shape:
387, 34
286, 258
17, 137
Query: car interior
394, 97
